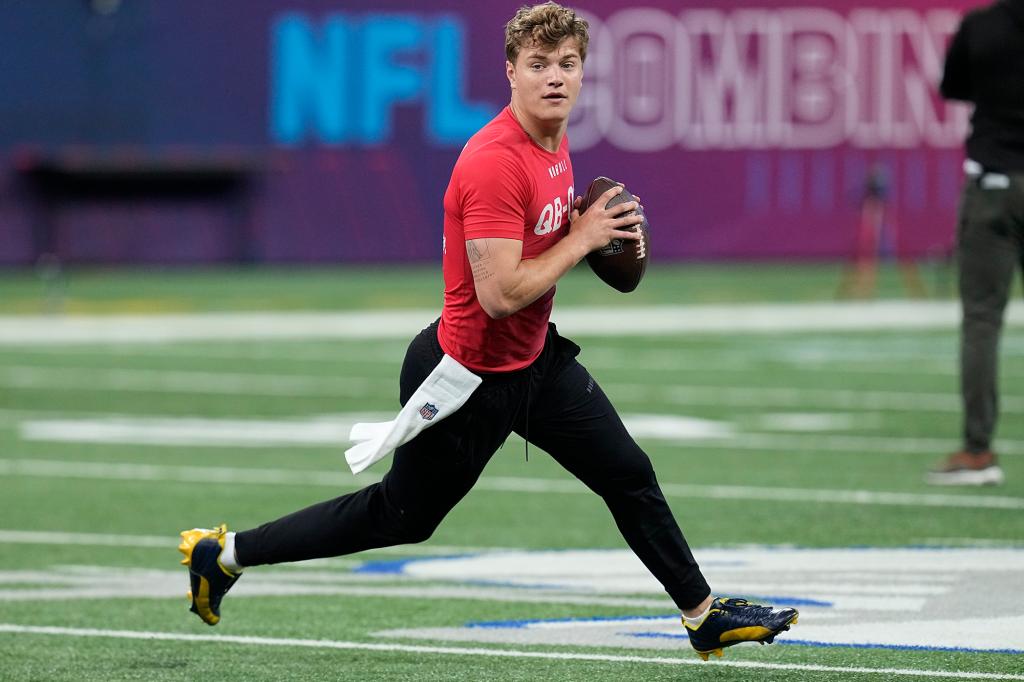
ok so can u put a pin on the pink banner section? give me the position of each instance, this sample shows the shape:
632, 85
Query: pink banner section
760, 131
787, 78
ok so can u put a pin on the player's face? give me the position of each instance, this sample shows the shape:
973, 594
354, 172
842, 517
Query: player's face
545, 83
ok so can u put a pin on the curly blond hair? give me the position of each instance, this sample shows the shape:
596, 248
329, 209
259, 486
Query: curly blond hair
546, 26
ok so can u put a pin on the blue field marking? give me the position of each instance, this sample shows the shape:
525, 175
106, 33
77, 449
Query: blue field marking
681, 635
656, 635
898, 647
665, 631
519, 586
397, 566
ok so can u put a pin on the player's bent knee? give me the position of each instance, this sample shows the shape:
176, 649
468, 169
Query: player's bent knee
407, 532
418, 534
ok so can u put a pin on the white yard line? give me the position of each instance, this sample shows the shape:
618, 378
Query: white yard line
164, 381
595, 357
284, 351
681, 362
331, 431
864, 445
77, 329
198, 431
225, 383
883, 359
737, 492
33, 537
327, 432
14, 629
595, 321
967, 542
342, 481
779, 397
120, 471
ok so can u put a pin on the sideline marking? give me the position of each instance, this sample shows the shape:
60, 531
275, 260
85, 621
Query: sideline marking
777, 397
175, 381
339, 479
602, 357
284, 351
968, 542
885, 359
332, 430
298, 385
326, 431
584, 321
479, 651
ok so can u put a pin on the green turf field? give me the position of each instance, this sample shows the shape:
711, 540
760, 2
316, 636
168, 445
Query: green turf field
792, 459
183, 290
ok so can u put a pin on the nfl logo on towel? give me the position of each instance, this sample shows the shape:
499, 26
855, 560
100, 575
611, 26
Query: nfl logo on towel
428, 411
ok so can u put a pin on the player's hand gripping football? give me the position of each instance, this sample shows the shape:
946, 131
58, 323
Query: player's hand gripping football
598, 226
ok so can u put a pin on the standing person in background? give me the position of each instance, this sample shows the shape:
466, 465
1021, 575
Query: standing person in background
985, 66
508, 239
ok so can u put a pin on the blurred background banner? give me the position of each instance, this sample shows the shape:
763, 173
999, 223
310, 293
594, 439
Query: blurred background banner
315, 131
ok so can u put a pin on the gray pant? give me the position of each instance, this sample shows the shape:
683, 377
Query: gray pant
990, 238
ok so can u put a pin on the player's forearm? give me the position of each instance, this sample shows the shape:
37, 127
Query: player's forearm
532, 278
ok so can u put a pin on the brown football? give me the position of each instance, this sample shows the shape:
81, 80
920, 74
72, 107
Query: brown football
622, 263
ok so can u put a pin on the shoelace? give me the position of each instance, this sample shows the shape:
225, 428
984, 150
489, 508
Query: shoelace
746, 612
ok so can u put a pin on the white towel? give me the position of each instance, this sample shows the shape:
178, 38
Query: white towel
440, 395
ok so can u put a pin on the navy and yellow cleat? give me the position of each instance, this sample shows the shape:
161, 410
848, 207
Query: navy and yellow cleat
210, 581
731, 621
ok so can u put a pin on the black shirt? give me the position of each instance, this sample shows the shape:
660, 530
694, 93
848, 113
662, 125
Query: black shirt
985, 65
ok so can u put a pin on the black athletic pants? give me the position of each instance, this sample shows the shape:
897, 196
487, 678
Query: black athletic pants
990, 243
555, 404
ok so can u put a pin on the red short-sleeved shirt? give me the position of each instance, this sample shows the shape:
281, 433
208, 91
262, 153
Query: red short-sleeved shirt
503, 185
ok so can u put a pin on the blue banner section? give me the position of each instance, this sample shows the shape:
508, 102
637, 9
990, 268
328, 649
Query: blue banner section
339, 80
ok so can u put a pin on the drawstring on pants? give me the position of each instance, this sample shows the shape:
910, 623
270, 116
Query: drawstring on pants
526, 421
